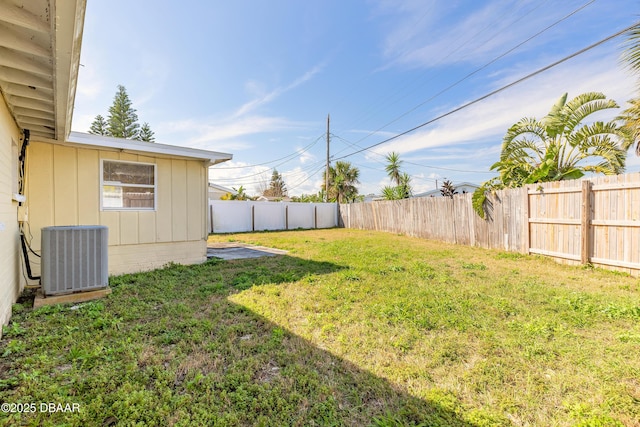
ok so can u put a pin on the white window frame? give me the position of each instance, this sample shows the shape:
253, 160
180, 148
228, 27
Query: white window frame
118, 184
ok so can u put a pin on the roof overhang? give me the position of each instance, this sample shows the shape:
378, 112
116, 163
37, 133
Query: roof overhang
147, 148
40, 43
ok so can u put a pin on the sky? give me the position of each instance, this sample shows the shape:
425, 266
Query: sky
258, 79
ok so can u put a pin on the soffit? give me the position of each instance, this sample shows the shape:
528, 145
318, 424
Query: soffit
39, 58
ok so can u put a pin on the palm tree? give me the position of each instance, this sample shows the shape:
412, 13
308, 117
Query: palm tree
559, 146
631, 116
631, 54
631, 123
391, 193
404, 187
393, 167
342, 182
401, 191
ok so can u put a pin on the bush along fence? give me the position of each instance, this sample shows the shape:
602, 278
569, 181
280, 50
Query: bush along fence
234, 216
589, 221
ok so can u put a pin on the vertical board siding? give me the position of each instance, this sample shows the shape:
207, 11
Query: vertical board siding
63, 188
39, 189
195, 201
179, 200
540, 218
11, 281
164, 215
88, 181
65, 185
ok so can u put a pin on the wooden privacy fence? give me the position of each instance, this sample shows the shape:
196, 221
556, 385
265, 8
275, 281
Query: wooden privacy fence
594, 220
445, 219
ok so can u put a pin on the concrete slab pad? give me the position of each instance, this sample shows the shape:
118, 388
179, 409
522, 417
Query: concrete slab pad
234, 250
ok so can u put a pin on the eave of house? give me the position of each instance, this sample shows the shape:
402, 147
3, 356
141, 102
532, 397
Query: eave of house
148, 148
40, 43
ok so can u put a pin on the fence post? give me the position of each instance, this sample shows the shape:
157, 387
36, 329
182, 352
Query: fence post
315, 216
585, 222
526, 241
211, 216
253, 218
286, 217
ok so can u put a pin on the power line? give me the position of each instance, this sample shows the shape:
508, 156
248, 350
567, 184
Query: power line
292, 155
501, 89
451, 52
416, 164
477, 70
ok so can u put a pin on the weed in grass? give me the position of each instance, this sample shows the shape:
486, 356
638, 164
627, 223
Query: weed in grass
208, 289
351, 276
629, 337
14, 347
423, 270
473, 266
14, 329
511, 255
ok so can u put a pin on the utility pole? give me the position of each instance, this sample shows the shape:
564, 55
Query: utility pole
326, 179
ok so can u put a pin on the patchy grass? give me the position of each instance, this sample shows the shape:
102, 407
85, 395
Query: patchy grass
350, 328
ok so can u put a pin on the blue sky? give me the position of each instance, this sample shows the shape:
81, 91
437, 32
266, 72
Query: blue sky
257, 79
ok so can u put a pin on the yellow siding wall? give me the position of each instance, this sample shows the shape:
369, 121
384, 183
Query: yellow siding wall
11, 281
63, 188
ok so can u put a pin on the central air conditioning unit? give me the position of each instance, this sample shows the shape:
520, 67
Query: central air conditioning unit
74, 259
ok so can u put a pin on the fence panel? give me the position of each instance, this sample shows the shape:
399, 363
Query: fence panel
269, 216
595, 220
235, 216
555, 212
300, 215
615, 221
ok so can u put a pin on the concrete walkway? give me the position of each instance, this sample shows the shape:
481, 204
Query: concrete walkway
235, 250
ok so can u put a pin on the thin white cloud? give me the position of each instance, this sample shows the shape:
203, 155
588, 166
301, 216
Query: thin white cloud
466, 33
305, 156
270, 96
489, 119
228, 133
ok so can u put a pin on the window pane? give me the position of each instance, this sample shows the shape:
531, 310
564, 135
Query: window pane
136, 197
111, 196
128, 173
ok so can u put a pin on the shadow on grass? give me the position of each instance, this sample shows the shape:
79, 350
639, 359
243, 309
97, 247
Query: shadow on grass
169, 348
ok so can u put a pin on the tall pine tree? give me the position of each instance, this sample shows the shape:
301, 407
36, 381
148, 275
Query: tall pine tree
122, 120
99, 126
277, 187
145, 133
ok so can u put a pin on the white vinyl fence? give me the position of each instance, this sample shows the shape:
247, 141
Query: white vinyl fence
234, 216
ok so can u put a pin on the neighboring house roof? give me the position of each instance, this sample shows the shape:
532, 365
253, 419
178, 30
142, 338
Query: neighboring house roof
458, 186
39, 59
222, 189
273, 199
102, 142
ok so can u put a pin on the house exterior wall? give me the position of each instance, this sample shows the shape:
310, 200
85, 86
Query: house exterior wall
11, 281
63, 188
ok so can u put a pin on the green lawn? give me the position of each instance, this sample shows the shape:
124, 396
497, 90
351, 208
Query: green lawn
350, 328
